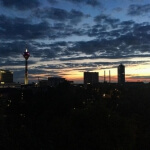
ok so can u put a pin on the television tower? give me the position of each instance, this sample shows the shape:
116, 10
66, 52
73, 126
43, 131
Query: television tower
26, 55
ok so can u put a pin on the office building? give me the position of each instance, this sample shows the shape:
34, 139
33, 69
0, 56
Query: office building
6, 76
121, 74
43, 83
91, 78
55, 81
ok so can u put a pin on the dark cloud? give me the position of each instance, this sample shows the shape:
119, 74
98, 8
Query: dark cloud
136, 0
21, 4
128, 23
11, 63
18, 28
15, 49
76, 16
106, 20
121, 43
118, 9
118, 43
22, 29
53, 1
51, 13
92, 3
58, 14
137, 10
49, 51
62, 30
12, 49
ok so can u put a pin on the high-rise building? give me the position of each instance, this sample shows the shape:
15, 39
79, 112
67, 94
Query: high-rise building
121, 74
55, 81
26, 55
6, 76
91, 78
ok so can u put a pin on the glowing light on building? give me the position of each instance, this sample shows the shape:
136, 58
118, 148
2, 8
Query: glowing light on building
26, 55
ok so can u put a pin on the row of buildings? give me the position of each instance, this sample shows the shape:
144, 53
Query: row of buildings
6, 77
92, 78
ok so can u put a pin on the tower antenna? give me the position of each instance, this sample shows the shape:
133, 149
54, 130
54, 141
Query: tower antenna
26, 55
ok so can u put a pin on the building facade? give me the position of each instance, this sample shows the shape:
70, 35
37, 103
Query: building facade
6, 76
91, 78
121, 74
55, 81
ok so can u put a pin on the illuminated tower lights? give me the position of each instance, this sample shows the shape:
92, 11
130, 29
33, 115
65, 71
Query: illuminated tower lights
26, 55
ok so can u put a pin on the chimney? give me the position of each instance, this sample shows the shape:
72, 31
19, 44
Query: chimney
104, 77
109, 76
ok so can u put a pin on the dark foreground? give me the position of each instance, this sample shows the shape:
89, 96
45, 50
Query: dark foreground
73, 118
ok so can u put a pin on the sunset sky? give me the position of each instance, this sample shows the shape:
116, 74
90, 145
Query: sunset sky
68, 37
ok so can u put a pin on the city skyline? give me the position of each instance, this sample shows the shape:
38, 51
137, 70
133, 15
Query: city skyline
87, 35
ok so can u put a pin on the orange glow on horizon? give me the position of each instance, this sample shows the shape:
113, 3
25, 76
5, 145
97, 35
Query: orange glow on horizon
133, 73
